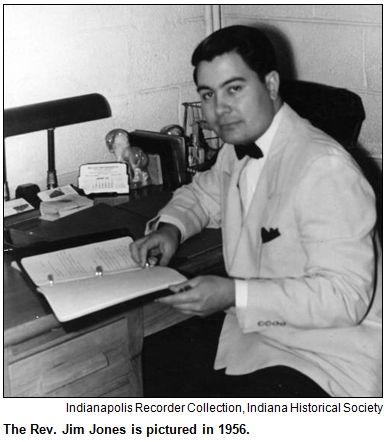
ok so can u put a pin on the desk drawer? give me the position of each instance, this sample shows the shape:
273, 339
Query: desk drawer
78, 367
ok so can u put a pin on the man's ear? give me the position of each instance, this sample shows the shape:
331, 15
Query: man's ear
272, 83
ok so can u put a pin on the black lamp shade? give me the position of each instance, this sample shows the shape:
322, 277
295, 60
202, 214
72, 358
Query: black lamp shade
56, 113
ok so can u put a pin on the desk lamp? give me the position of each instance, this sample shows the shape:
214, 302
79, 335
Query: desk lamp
48, 116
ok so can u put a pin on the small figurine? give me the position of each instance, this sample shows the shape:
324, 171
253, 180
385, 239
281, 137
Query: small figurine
118, 143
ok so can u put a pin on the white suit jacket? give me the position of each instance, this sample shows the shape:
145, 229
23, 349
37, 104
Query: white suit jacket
307, 249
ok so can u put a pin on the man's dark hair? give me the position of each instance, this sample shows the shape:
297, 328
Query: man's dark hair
250, 43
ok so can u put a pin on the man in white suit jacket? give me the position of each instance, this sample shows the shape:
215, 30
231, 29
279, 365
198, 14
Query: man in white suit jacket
298, 219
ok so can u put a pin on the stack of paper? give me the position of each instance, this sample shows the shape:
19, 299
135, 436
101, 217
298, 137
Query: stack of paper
59, 208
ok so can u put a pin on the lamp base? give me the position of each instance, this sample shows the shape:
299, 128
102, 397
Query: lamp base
52, 180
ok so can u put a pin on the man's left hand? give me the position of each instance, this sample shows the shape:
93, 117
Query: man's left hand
202, 296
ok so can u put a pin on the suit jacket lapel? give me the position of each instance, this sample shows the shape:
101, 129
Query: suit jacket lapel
245, 250
245, 262
233, 212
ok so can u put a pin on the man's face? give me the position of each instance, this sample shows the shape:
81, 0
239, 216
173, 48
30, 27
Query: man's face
235, 103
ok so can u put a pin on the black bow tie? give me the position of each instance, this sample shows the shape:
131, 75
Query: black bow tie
250, 149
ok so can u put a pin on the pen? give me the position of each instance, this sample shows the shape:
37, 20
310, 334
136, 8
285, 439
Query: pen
185, 288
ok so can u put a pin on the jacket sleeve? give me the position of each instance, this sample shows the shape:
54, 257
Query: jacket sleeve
196, 205
334, 207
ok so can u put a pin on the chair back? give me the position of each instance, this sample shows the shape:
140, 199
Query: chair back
338, 112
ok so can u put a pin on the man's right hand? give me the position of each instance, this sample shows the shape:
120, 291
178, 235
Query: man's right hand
162, 242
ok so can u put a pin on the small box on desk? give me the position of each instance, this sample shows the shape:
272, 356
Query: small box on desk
171, 150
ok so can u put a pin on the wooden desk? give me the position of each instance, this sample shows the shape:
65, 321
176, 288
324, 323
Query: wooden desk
98, 355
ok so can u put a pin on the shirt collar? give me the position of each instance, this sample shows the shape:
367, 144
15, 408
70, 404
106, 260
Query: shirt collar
265, 141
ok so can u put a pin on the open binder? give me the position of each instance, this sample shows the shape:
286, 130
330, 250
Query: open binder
82, 280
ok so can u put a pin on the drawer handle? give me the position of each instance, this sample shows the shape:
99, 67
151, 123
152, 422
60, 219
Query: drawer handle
71, 371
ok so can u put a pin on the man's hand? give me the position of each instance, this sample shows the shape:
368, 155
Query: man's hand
202, 296
163, 242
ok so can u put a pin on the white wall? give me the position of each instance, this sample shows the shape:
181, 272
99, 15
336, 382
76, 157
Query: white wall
138, 57
340, 45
